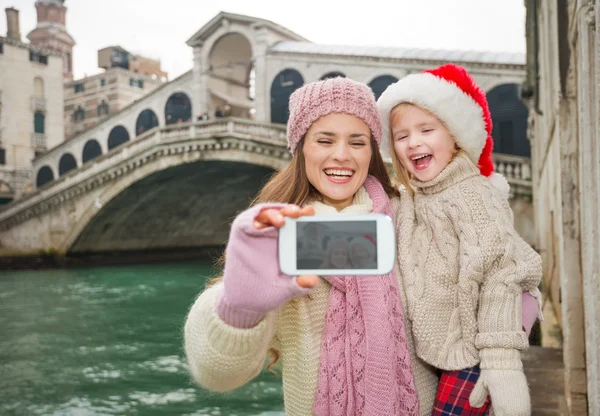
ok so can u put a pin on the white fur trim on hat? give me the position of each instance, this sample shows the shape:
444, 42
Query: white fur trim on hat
457, 110
500, 183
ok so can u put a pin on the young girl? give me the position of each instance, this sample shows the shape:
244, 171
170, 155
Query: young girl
464, 265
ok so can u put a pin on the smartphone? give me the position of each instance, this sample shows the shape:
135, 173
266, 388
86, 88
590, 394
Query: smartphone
326, 245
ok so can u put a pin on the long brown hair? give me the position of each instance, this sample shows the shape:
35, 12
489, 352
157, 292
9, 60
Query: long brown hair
291, 186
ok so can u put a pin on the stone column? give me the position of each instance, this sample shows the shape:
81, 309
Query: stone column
589, 170
200, 100
262, 97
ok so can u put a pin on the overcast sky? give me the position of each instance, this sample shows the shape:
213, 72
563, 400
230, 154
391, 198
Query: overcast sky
160, 28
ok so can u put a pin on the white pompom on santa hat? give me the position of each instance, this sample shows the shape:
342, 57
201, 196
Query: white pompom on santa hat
452, 95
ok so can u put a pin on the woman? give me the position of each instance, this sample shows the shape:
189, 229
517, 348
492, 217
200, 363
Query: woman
342, 341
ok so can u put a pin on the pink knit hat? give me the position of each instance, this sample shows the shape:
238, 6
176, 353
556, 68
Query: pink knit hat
333, 95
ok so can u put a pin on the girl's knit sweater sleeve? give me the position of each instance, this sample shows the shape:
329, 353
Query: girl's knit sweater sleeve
222, 357
497, 261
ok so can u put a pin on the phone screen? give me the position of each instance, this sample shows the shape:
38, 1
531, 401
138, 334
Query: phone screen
336, 245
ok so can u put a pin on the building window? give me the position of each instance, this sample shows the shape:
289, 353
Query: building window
102, 108
139, 83
2, 156
39, 121
38, 57
79, 114
103, 82
79, 88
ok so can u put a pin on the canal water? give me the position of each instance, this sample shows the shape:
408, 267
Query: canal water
108, 341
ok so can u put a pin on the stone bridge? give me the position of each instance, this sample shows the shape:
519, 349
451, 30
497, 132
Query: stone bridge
173, 187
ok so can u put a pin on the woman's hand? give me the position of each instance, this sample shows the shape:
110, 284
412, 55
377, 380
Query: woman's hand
253, 282
276, 217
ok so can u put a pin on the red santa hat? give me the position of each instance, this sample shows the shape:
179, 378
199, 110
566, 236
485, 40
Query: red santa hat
452, 95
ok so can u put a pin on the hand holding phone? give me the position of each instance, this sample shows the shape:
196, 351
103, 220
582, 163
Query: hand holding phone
337, 245
253, 283
276, 218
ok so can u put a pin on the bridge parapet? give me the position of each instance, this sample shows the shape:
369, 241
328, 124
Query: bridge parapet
265, 139
517, 171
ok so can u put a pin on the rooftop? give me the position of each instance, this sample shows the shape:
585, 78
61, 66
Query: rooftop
508, 58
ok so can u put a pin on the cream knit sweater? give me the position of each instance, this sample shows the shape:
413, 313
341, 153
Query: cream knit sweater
222, 357
464, 268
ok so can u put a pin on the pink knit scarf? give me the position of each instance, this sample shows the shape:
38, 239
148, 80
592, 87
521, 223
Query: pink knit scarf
365, 367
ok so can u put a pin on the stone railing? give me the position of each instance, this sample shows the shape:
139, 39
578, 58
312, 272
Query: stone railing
517, 171
133, 154
38, 104
39, 141
255, 130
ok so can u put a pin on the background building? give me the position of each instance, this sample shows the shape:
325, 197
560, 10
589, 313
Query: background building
31, 107
127, 78
563, 52
51, 32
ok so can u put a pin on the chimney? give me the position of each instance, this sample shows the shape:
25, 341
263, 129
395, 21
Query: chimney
12, 24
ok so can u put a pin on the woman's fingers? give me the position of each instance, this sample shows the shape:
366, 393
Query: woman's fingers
276, 217
267, 218
307, 282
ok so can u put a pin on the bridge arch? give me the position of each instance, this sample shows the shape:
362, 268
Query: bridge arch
117, 136
163, 179
379, 84
44, 176
283, 85
178, 108
333, 74
91, 150
230, 67
66, 163
146, 120
509, 119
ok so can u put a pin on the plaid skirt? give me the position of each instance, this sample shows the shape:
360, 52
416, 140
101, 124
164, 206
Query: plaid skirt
454, 389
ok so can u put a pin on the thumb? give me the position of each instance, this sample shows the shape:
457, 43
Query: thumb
299, 285
479, 394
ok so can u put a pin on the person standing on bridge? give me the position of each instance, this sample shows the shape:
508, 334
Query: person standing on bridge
464, 266
344, 344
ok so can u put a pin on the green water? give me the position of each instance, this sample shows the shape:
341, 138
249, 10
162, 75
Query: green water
108, 341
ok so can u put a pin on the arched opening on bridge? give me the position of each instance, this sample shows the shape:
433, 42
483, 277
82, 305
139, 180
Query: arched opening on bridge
147, 120
333, 74
91, 150
157, 212
44, 176
6, 193
284, 84
178, 108
67, 163
118, 135
379, 84
509, 119
229, 69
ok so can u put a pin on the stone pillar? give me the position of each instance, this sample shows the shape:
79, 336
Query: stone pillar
262, 97
589, 170
571, 281
200, 99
